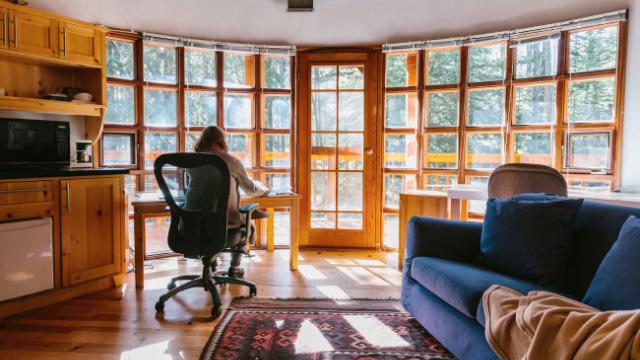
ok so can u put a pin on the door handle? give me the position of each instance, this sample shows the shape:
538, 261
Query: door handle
68, 197
4, 29
64, 40
369, 151
15, 31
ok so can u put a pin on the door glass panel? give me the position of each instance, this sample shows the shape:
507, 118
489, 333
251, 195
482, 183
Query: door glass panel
350, 151
350, 191
337, 146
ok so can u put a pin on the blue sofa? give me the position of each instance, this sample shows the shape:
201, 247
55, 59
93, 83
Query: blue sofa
443, 285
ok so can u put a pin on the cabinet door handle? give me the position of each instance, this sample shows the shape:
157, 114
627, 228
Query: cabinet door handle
23, 190
68, 198
4, 29
64, 36
15, 31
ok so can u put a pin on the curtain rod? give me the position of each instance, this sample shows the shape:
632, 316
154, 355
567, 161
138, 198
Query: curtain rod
220, 46
595, 20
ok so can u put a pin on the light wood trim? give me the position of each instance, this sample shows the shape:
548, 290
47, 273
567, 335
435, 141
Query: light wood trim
50, 106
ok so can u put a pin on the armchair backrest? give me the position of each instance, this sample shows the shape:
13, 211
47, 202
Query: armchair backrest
199, 221
512, 179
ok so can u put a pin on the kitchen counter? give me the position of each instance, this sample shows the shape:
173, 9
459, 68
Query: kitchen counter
44, 172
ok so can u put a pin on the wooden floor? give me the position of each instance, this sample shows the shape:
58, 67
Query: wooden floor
122, 323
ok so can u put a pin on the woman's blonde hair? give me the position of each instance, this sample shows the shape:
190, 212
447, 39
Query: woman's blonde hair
211, 135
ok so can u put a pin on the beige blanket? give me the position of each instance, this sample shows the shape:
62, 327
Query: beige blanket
544, 325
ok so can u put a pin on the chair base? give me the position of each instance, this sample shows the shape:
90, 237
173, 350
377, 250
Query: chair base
208, 280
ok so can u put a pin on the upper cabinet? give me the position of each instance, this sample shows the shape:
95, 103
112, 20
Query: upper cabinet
33, 34
4, 30
81, 44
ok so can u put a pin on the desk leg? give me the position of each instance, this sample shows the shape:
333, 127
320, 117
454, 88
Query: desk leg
270, 228
456, 206
140, 248
293, 231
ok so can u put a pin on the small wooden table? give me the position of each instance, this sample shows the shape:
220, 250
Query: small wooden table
153, 205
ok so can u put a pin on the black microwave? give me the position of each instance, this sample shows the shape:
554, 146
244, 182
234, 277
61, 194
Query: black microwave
34, 143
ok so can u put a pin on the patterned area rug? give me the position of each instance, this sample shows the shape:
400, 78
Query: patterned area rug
320, 329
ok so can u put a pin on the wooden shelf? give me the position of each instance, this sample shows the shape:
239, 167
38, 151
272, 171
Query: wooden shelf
50, 106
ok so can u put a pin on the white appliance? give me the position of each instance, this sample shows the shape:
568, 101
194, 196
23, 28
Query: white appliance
26, 257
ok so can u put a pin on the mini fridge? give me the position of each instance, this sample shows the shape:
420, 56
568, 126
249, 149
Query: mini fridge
26, 257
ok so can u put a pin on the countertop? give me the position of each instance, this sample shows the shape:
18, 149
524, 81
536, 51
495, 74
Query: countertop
45, 172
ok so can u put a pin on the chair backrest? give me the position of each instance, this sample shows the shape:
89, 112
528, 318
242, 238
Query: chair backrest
199, 222
512, 179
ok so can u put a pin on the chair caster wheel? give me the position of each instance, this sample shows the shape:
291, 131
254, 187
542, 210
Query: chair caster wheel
159, 306
171, 286
253, 291
215, 312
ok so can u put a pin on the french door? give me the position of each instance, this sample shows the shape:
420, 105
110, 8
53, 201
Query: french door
338, 148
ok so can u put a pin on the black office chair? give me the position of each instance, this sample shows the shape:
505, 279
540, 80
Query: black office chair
202, 233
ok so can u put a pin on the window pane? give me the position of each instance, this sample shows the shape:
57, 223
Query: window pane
156, 144
238, 112
591, 101
323, 220
323, 191
487, 63
324, 78
160, 64
476, 206
277, 111
402, 69
537, 59
391, 230
485, 107
241, 146
156, 229
438, 182
442, 109
117, 149
593, 50
400, 151
444, 67
350, 191
323, 151
351, 111
351, 77
589, 185
150, 184
590, 151
120, 105
238, 70
349, 221
533, 148
277, 152
120, 59
535, 105
190, 140
350, 151
401, 110
323, 111
484, 151
200, 108
441, 151
160, 108
280, 182
200, 67
276, 72
394, 184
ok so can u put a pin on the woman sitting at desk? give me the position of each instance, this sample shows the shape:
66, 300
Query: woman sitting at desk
213, 140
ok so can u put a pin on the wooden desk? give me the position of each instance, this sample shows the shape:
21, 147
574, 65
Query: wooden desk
153, 205
418, 203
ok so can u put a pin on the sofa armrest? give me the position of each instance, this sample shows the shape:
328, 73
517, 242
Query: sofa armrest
441, 238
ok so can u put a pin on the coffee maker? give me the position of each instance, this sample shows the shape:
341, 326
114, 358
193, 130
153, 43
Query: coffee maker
83, 154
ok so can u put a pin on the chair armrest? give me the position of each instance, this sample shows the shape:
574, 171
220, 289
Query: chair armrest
441, 238
248, 208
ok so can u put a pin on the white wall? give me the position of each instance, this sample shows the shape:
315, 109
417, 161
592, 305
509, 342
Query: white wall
631, 135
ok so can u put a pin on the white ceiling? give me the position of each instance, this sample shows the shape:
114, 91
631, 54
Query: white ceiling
334, 22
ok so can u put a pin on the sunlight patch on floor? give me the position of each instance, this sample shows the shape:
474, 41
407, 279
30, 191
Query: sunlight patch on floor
311, 273
310, 340
340, 262
375, 332
362, 276
393, 276
160, 350
370, 262
333, 292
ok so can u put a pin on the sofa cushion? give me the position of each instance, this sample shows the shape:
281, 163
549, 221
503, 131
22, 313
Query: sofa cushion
529, 239
615, 286
461, 285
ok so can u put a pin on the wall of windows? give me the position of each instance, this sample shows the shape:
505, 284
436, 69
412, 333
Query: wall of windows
453, 114
160, 97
